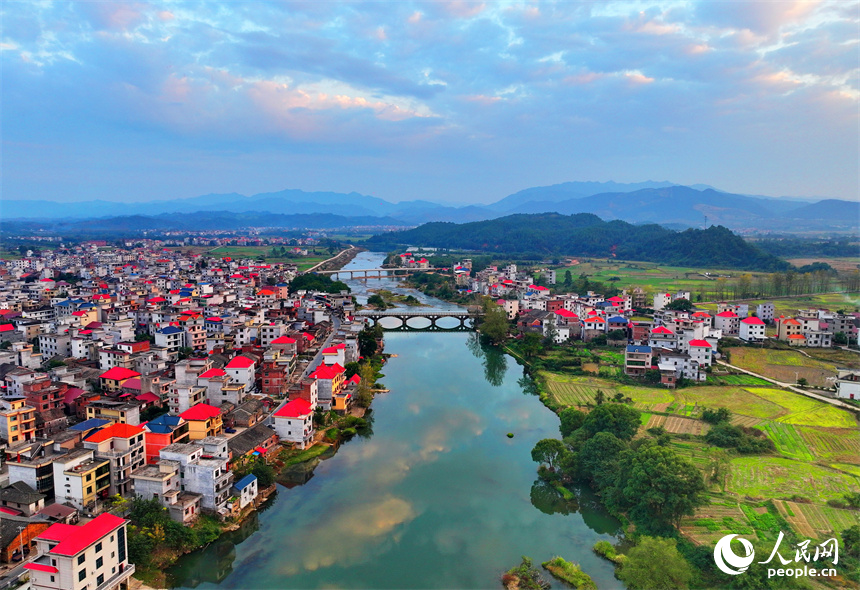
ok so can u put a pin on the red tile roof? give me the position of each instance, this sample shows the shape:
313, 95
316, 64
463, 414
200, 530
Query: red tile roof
327, 371
662, 330
7, 328
284, 340
41, 567
700, 344
240, 362
213, 373
565, 313
200, 412
74, 539
727, 314
119, 373
115, 431
295, 409
752, 321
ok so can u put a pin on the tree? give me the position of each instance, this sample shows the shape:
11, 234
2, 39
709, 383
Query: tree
599, 397
549, 451
620, 420
598, 458
571, 419
377, 301
367, 342
658, 486
680, 305
494, 324
840, 339
351, 369
568, 279
655, 564
802, 382
716, 416
851, 540
363, 394
617, 335
530, 345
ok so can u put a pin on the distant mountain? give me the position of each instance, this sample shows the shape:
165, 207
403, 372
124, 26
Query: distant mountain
205, 220
550, 234
570, 190
833, 209
659, 202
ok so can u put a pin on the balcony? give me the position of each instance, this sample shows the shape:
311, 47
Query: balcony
125, 573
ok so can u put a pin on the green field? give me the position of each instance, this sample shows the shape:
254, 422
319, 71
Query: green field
240, 252
785, 366
768, 477
787, 439
832, 444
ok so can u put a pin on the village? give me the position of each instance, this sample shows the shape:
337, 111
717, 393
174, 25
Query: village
161, 375
153, 374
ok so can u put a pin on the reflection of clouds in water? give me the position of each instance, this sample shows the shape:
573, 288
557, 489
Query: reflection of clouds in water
348, 535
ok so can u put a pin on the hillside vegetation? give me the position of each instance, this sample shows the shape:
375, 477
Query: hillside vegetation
551, 234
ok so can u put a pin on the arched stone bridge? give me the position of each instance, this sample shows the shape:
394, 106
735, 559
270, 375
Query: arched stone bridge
405, 315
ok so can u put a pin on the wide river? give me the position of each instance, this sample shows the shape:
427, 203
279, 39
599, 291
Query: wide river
437, 497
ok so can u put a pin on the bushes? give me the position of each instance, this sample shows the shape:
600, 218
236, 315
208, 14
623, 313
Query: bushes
570, 573
747, 441
716, 416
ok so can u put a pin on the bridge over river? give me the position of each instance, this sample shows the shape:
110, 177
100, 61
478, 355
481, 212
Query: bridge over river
433, 315
374, 273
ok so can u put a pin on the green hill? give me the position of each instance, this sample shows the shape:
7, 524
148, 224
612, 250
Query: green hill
550, 235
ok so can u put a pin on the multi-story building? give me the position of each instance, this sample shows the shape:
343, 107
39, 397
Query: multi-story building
162, 482
211, 478
183, 397
123, 446
752, 329
765, 311
203, 420
277, 368
294, 422
113, 411
637, 359
161, 432
83, 557
848, 384
112, 379
17, 421
80, 479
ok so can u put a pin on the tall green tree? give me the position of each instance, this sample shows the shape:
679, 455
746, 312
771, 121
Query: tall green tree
494, 324
549, 451
571, 419
655, 564
658, 486
598, 459
618, 419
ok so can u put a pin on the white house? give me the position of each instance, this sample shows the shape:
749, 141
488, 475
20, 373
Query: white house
848, 384
728, 321
242, 369
702, 352
294, 422
246, 489
751, 329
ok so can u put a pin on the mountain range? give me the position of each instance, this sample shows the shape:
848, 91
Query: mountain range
659, 202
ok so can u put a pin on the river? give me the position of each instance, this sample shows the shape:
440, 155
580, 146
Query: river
437, 497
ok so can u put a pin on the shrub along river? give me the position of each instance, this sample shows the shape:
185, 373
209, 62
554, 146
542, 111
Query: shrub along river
437, 496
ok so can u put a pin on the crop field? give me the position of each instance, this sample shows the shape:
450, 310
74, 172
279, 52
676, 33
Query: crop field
737, 380
803, 410
576, 391
840, 264
714, 521
764, 477
783, 365
678, 424
837, 357
303, 262
787, 440
840, 445
815, 521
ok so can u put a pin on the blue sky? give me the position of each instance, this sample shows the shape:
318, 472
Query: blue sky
449, 101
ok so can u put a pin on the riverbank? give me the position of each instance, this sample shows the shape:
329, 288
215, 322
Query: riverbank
338, 261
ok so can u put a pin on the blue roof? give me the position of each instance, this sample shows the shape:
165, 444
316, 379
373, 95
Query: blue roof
636, 348
170, 330
165, 419
617, 320
245, 481
90, 424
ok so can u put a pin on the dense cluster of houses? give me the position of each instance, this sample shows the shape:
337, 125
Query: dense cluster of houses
679, 344
154, 374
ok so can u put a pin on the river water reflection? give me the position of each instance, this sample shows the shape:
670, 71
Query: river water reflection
437, 497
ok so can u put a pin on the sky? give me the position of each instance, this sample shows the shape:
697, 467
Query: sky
460, 102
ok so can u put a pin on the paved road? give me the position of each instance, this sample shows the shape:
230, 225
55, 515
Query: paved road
819, 397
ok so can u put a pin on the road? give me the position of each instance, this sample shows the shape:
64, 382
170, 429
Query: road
813, 395
311, 269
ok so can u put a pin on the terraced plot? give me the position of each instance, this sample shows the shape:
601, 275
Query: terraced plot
714, 521
840, 445
787, 440
816, 521
678, 424
575, 394
805, 411
783, 365
766, 477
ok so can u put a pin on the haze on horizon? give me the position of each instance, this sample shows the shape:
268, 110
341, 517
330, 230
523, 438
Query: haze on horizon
461, 102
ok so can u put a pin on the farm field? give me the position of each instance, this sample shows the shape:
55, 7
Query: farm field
715, 520
840, 445
840, 264
837, 357
303, 262
764, 477
815, 521
805, 411
784, 365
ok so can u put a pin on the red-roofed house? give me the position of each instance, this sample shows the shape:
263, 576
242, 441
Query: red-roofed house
702, 352
285, 344
788, 327
242, 369
93, 555
334, 355
751, 329
330, 380
729, 322
663, 337
203, 420
294, 422
112, 379
123, 446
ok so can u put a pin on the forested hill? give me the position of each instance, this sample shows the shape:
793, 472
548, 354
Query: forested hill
551, 235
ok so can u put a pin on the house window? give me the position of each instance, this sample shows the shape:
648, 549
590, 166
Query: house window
82, 575
100, 580
100, 562
81, 559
